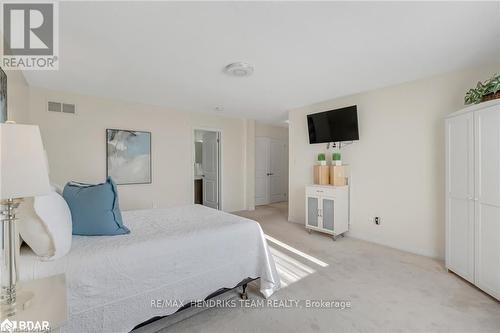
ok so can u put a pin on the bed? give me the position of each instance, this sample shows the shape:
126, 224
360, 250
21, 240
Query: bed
180, 254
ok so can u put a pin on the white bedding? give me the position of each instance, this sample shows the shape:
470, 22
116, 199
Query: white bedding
183, 253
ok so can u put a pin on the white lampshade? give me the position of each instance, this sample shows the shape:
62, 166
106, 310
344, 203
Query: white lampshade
23, 168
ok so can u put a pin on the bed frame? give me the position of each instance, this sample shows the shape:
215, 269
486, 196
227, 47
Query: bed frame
243, 295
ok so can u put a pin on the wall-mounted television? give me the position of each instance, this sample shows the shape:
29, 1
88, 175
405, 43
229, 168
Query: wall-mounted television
333, 126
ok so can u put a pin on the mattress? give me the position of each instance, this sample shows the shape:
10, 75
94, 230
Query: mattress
173, 255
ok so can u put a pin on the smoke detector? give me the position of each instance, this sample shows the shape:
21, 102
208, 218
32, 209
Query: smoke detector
239, 69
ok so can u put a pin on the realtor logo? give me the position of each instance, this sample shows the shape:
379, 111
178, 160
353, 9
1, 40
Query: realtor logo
29, 29
30, 36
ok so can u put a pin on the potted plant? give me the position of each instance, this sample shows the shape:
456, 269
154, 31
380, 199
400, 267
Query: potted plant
484, 91
322, 159
336, 159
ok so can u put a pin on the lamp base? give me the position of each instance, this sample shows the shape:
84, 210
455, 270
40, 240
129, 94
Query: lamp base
12, 300
23, 301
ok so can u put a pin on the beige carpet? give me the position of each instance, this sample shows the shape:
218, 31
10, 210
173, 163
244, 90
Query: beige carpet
389, 290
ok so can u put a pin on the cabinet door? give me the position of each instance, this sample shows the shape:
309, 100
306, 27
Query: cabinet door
327, 213
459, 195
312, 209
487, 200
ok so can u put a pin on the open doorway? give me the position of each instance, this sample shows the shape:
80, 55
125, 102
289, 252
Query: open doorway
207, 168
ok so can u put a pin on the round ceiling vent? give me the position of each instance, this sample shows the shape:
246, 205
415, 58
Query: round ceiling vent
239, 69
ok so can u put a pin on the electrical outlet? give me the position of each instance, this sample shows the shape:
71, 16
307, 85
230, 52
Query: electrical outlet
377, 220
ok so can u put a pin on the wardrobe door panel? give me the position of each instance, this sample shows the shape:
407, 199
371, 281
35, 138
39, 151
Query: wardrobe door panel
487, 200
459, 195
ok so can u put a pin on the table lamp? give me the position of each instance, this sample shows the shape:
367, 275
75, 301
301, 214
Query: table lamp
23, 173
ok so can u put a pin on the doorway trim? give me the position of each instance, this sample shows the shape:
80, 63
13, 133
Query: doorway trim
219, 161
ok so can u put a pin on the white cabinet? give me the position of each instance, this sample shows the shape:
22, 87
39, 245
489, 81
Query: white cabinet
327, 209
473, 195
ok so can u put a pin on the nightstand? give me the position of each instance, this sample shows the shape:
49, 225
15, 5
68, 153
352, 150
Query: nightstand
49, 303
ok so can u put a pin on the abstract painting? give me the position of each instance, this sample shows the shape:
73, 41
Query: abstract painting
3, 96
128, 159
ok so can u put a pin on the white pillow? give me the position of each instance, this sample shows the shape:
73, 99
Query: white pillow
33, 231
57, 188
46, 226
53, 210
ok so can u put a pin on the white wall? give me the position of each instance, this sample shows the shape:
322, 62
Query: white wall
17, 97
397, 166
76, 147
270, 131
250, 164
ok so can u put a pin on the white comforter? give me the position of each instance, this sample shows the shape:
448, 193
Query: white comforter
183, 254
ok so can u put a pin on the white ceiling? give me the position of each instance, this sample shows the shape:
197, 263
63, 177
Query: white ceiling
172, 54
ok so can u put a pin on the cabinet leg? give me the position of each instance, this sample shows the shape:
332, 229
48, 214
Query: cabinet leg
309, 230
334, 238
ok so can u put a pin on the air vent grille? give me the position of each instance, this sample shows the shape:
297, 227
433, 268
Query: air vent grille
68, 108
61, 107
54, 107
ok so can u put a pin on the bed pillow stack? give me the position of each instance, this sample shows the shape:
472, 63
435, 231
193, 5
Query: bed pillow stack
45, 225
94, 209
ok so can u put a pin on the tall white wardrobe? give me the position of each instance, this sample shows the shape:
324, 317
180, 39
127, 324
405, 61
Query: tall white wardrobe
473, 195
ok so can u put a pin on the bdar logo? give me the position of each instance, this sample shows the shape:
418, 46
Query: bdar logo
7, 326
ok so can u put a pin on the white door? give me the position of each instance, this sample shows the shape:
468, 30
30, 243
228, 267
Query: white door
262, 171
459, 195
277, 170
210, 166
487, 200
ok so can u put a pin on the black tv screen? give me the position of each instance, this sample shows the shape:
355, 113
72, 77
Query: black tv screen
333, 126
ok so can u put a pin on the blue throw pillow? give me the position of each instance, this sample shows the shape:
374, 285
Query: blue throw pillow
94, 209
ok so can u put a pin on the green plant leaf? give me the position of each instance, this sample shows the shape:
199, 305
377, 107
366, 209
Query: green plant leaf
490, 86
